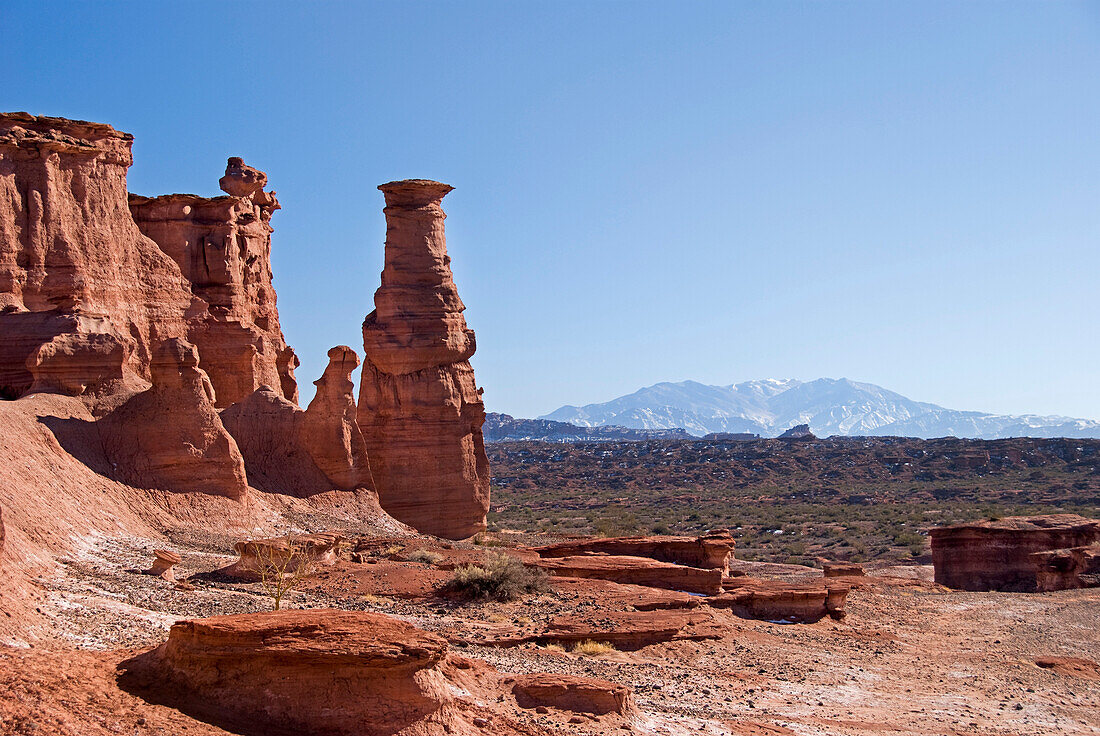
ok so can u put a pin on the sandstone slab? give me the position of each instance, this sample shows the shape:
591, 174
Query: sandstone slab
709, 551
635, 571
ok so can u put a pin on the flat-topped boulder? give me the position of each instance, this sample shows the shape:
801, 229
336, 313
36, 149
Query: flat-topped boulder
288, 555
330, 672
709, 551
635, 571
998, 554
777, 600
573, 693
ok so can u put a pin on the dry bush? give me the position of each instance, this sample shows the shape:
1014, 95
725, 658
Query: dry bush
281, 568
501, 577
589, 647
425, 556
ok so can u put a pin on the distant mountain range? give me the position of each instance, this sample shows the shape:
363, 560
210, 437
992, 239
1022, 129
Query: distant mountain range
506, 428
830, 406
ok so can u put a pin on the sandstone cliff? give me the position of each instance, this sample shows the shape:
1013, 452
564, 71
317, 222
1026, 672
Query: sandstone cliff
223, 247
84, 296
420, 410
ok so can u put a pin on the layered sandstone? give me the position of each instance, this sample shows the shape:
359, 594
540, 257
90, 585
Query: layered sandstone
163, 563
223, 247
301, 453
635, 571
306, 672
573, 693
775, 600
709, 551
420, 410
84, 296
1063, 569
171, 437
295, 554
1001, 554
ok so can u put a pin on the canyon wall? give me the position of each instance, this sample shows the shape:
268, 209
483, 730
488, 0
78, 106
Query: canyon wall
420, 410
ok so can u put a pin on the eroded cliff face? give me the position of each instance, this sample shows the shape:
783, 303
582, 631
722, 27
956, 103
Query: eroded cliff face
420, 410
84, 296
223, 247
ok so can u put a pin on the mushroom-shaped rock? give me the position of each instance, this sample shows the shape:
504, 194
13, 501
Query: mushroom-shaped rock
295, 554
329, 428
170, 436
420, 410
163, 563
312, 672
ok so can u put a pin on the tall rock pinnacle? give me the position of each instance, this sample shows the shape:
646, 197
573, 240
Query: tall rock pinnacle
420, 410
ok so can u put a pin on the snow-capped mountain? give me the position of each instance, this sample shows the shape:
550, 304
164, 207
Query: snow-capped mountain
830, 406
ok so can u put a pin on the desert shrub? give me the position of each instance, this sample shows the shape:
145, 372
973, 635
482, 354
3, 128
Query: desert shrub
425, 556
501, 577
589, 647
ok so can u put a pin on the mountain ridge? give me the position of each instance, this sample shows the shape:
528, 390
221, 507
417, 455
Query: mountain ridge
830, 406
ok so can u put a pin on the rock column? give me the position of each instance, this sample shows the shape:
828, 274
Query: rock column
420, 410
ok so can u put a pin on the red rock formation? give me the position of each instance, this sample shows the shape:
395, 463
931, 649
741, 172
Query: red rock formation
83, 294
636, 571
710, 551
300, 453
998, 555
1064, 569
171, 437
625, 630
774, 600
316, 672
287, 555
223, 247
572, 693
163, 563
420, 410
842, 569
329, 428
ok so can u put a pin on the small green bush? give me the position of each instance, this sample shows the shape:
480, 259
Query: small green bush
501, 577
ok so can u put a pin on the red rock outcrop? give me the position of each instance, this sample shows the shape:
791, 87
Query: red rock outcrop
1000, 555
307, 672
572, 693
163, 563
842, 569
300, 453
420, 410
171, 437
84, 295
287, 555
710, 551
635, 571
775, 600
1064, 569
329, 428
223, 247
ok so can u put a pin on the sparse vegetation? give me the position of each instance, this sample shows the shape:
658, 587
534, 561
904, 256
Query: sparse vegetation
282, 566
425, 556
501, 577
590, 648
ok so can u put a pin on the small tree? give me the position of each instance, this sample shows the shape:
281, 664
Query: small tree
282, 564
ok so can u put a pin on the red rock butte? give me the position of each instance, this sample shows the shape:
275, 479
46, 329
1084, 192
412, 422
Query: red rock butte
420, 410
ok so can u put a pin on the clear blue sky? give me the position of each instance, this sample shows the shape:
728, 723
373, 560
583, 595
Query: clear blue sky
900, 193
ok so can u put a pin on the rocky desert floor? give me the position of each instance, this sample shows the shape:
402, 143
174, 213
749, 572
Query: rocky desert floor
910, 657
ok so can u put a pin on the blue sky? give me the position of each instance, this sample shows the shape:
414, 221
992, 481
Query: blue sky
901, 193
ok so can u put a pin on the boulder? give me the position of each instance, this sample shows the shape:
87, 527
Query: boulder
1000, 555
222, 245
624, 630
842, 569
420, 410
171, 437
787, 602
288, 555
314, 672
575, 694
163, 563
76, 274
710, 551
635, 571
1063, 569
